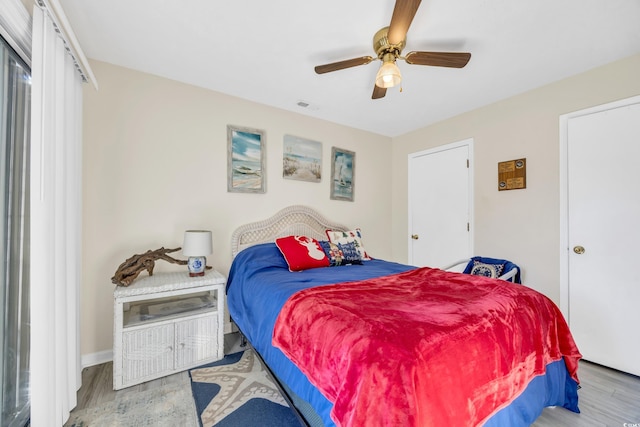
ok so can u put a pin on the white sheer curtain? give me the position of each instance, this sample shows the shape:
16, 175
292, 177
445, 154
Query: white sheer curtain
56, 176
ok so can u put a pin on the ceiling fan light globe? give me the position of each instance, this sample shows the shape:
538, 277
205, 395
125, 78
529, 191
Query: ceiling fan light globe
388, 75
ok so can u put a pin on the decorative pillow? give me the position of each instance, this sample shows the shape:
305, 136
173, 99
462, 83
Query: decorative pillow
339, 254
487, 270
352, 236
302, 252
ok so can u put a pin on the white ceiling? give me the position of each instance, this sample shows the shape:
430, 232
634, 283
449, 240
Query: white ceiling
265, 51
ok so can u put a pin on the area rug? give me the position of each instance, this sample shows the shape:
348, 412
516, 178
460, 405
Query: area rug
172, 405
237, 391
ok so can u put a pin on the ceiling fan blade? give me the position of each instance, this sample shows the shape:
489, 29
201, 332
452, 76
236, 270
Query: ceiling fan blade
378, 92
341, 65
403, 14
439, 59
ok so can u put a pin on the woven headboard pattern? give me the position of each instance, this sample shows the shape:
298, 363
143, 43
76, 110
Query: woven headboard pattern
292, 220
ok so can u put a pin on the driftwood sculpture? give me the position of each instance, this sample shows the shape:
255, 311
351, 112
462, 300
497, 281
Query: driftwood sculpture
132, 267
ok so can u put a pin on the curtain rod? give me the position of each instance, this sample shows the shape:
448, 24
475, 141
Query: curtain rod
62, 27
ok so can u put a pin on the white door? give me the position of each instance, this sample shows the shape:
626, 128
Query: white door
440, 205
603, 232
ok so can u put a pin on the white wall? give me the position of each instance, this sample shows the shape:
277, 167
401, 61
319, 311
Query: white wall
155, 164
521, 225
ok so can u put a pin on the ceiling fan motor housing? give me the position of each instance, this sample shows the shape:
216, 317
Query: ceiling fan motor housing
381, 44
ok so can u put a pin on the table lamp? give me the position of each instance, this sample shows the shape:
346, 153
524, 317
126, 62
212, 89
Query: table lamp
197, 245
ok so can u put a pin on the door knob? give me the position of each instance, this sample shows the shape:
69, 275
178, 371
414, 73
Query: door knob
414, 236
578, 249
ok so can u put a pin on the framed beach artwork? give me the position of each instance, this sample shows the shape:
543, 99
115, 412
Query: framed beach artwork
245, 160
343, 171
301, 159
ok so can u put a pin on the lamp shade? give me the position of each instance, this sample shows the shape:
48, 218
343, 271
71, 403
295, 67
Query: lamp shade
388, 75
197, 243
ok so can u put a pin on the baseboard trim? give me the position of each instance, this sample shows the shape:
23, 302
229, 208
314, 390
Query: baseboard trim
98, 358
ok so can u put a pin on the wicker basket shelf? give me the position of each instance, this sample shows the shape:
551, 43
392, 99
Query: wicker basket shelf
166, 309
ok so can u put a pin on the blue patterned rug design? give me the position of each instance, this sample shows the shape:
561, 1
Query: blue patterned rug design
237, 392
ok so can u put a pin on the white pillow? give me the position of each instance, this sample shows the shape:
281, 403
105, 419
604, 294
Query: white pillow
351, 236
486, 270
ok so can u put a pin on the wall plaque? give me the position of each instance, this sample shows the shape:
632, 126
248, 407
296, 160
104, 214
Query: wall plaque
512, 175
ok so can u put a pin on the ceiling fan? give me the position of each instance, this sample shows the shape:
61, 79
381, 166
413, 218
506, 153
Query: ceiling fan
388, 44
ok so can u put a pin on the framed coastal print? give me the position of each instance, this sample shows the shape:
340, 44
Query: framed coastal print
301, 159
343, 172
245, 160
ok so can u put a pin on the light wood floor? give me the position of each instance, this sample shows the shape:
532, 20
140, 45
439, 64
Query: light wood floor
607, 397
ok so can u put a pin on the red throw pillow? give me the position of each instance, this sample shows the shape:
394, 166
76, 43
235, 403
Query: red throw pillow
302, 252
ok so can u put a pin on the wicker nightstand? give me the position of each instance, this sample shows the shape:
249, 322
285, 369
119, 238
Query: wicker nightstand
166, 323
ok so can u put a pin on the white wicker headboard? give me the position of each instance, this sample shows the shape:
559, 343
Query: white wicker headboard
293, 220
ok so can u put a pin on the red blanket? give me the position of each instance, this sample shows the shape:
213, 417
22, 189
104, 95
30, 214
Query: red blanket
422, 348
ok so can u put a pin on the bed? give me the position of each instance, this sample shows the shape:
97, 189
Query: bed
383, 343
